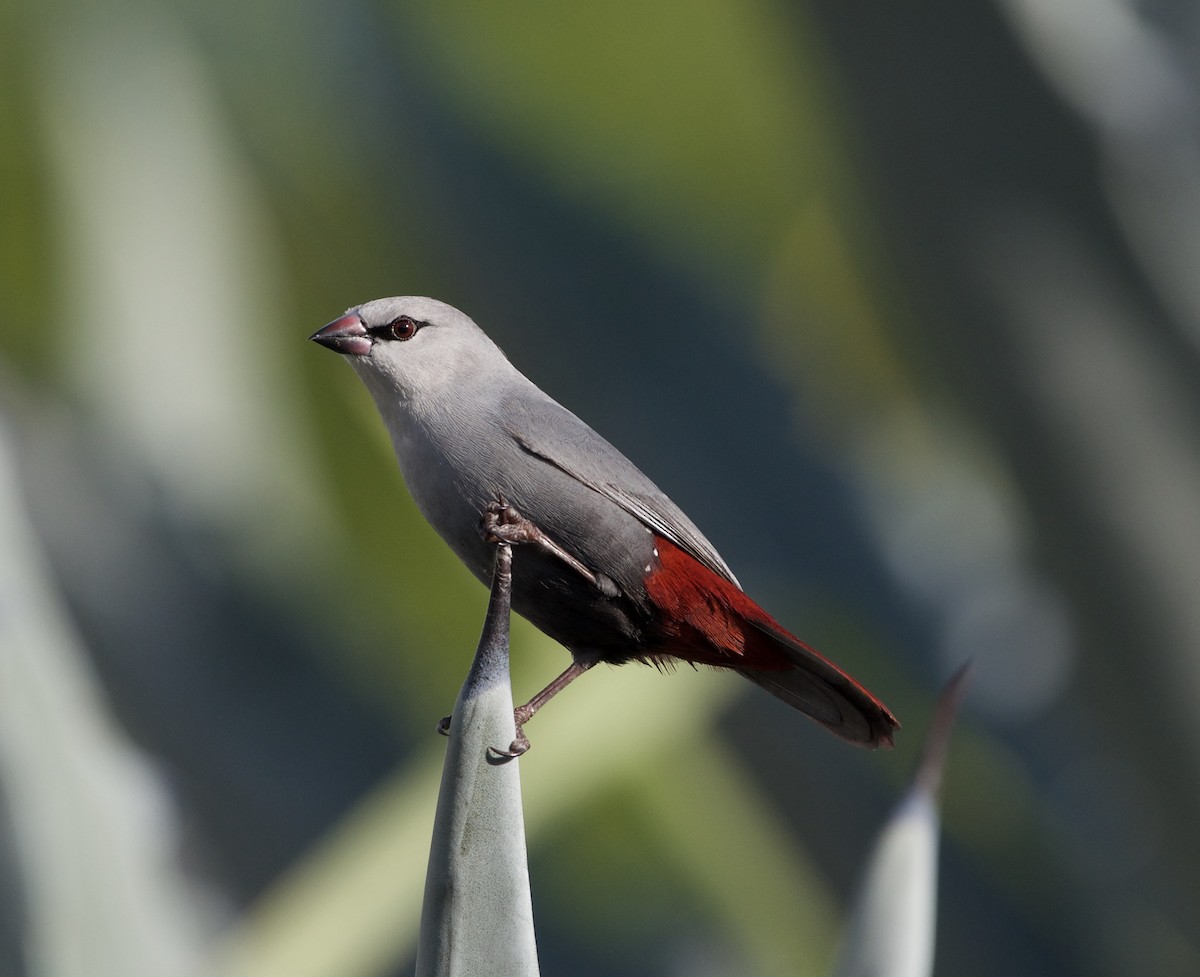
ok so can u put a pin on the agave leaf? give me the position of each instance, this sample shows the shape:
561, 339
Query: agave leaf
892, 928
478, 914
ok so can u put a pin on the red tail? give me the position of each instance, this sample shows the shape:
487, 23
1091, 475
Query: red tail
708, 620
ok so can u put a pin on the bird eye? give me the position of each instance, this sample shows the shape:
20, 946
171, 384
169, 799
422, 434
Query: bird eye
402, 327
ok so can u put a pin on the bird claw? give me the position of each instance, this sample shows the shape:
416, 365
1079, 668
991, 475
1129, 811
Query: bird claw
520, 744
503, 523
517, 747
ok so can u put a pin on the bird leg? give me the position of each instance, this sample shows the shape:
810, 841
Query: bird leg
503, 523
522, 714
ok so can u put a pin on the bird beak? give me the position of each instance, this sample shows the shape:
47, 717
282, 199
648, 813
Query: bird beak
346, 335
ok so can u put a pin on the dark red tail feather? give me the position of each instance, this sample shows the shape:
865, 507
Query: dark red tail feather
709, 620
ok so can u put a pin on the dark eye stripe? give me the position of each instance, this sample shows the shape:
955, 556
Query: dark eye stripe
402, 328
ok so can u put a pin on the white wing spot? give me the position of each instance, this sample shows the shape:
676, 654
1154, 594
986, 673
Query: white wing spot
656, 551
649, 567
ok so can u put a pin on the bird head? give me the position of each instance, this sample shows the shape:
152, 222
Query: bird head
410, 345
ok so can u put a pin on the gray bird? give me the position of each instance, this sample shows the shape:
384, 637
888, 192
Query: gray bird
613, 569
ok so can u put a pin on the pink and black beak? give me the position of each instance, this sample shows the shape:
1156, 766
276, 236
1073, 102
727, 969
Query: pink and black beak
347, 335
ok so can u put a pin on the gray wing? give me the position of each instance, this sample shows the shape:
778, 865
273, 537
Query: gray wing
548, 431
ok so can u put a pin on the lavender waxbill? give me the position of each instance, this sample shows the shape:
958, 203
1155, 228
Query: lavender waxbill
608, 565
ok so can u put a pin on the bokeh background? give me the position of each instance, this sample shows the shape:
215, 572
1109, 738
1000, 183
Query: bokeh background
900, 301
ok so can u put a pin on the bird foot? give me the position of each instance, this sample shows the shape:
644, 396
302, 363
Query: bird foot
503, 523
521, 743
517, 747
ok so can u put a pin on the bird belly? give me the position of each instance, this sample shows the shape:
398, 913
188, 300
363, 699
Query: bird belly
605, 621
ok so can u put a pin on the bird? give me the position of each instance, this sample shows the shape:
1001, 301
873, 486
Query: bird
609, 566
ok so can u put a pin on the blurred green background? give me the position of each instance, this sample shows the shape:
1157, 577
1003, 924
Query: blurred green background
899, 301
